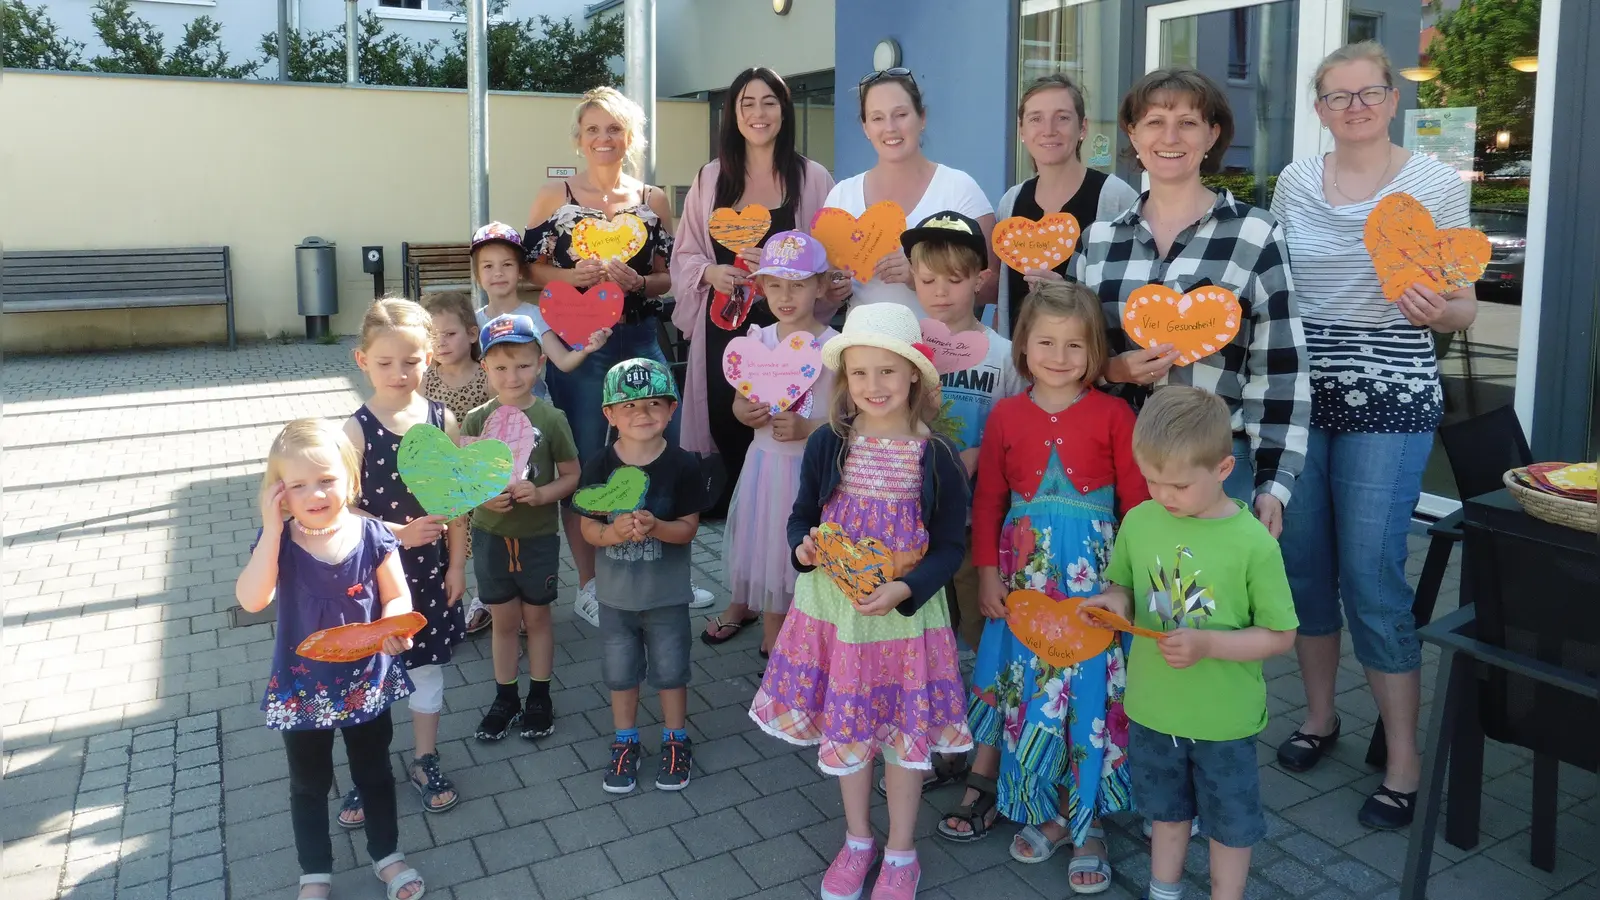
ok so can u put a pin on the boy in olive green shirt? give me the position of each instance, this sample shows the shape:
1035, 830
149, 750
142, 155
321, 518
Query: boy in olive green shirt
515, 548
1196, 565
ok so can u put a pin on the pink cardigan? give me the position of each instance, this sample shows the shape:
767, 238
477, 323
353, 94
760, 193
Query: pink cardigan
691, 254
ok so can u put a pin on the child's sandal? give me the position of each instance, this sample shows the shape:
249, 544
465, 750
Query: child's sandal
309, 880
1091, 864
980, 814
352, 804
1033, 837
402, 880
434, 786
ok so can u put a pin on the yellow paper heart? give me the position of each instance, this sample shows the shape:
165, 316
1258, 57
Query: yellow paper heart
620, 238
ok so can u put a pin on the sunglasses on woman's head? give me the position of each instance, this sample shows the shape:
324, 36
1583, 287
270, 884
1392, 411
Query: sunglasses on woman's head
896, 72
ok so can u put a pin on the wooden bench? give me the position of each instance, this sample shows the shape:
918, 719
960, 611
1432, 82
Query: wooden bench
435, 268
91, 280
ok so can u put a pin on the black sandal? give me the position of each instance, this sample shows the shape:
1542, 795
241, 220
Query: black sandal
715, 638
946, 769
352, 803
1375, 813
1302, 751
980, 815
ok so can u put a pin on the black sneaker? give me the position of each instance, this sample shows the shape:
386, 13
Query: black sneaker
538, 717
623, 773
503, 714
677, 763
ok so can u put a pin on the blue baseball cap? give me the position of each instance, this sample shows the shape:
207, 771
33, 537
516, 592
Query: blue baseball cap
507, 330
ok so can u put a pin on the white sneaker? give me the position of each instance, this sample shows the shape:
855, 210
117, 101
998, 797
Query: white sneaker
586, 606
702, 597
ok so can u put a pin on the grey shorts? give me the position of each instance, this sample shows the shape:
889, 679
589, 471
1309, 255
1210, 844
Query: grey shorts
509, 568
1174, 780
653, 642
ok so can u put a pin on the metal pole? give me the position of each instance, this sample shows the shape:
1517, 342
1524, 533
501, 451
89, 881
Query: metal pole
639, 37
478, 111
352, 49
283, 40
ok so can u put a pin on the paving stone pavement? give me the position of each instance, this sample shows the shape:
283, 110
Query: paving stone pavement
136, 763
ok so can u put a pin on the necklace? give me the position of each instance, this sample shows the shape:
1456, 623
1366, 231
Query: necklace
1382, 180
315, 532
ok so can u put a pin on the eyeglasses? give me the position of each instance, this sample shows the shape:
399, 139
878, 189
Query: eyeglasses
896, 72
1339, 101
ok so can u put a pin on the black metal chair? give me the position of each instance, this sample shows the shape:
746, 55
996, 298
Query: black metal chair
1531, 635
1480, 450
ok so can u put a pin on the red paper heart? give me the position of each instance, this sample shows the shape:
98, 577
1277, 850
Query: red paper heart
574, 315
730, 313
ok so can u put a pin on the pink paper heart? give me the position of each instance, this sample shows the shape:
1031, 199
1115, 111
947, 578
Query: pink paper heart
954, 352
510, 426
778, 377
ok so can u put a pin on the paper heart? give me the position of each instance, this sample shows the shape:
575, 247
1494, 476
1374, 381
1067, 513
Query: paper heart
449, 480
623, 492
620, 238
359, 640
510, 426
740, 229
777, 377
1105, 618
954, 352
1407, 249
857, 567
731, 312
574, 315
856, 244
1024, 243
1052, 630
1196, 324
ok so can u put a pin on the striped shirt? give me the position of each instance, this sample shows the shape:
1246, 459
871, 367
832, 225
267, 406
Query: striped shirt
1371, 370
1262, 373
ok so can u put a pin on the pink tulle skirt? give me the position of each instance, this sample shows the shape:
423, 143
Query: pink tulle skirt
756, 546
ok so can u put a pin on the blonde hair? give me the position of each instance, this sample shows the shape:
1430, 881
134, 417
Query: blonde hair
613, 103
458, 304
841, 409
1183, 424
396, 314
947, 259
1369, 51
316, 438
1066, 300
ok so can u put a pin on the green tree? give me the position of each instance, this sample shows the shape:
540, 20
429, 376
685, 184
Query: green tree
1473, 51
541, 54
384, 58
29, 39
134, 46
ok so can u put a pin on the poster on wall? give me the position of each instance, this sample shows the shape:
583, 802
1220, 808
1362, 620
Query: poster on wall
1448, 135
1099, 152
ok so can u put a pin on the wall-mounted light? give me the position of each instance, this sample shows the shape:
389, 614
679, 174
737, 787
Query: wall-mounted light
886, 55
1502, 139
781, 7
1420, 73
1529, 64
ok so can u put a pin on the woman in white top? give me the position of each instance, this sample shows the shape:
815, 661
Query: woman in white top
893, 118
1375, 404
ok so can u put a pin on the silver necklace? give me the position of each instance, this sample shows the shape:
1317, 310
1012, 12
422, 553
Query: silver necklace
1382, 180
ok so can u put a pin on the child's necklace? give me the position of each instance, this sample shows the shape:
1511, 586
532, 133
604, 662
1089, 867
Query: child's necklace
315, 532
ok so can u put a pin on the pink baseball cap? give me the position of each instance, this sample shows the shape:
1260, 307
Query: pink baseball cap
792, 255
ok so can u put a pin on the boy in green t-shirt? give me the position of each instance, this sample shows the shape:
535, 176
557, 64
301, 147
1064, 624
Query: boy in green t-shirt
1211, 577
515, 548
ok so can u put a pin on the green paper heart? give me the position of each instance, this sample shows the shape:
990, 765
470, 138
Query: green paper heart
623, 492
449, 480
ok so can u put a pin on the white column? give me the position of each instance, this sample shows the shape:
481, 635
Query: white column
639, 43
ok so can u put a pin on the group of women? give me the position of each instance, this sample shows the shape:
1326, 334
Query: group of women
1334, 390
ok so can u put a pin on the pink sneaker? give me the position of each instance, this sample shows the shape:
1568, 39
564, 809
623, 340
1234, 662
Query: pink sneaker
844, 879
897, 882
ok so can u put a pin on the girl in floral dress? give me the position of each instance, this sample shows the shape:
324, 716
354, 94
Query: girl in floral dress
1055, 472
874, 670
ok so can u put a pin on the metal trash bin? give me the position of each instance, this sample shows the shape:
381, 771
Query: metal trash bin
316, 284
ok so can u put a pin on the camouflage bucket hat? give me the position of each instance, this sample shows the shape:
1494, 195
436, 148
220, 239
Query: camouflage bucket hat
637, 379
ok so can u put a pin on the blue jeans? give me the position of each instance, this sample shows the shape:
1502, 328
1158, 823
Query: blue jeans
1241, 483
577, 393
1344, 538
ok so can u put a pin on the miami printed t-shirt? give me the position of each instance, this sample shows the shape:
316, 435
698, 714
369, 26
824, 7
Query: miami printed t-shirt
552, 443
1212, 574
647, 574
969, 394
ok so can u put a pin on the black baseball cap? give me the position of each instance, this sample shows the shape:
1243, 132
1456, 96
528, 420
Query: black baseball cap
948, 226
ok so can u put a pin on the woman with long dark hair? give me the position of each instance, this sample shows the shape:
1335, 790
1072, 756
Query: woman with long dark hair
756, 163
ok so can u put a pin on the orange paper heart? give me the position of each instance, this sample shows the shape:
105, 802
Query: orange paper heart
620, 238
1023, 243
1196, 324
740, 229
1407, 249
857, 567
348, 643
1105, 618
856, 244
1052, 630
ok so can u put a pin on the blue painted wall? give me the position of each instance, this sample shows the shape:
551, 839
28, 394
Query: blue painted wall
961, 52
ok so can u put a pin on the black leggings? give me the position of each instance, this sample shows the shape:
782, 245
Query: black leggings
366, 746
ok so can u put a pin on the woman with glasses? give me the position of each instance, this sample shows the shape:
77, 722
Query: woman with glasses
893, 118
1375, 404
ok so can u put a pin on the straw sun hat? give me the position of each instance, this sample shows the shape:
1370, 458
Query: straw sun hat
888, 326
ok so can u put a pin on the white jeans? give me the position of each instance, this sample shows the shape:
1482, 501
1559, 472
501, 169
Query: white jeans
428, 697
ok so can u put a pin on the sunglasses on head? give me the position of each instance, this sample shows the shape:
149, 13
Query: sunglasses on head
896, 72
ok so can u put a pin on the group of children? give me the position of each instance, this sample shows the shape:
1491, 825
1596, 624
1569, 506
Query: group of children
882, 447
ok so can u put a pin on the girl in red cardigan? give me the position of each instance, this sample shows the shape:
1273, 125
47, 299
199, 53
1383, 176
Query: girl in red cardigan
1055, 473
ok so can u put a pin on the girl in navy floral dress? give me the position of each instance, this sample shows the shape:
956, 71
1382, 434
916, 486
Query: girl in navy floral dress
326, 567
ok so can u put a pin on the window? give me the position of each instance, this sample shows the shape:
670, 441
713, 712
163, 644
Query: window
404, 4
1362, 27
1239, 45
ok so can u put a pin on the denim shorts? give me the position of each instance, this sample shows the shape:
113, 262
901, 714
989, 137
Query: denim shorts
1177, 780
1241, 483
509, 568
1344, 542
651, 642
577, 393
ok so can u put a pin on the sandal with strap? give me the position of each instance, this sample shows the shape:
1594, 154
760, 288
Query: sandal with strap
946, 769
435, 785
403, 879
715, 637
1302, 751
1391, 815
1033, 837
309, 880
980, 814
1091, 864
352, 803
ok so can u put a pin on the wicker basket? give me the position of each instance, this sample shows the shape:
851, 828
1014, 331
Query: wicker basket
1550, 507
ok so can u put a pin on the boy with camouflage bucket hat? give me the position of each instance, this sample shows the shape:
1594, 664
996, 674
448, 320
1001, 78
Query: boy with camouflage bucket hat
642, 569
